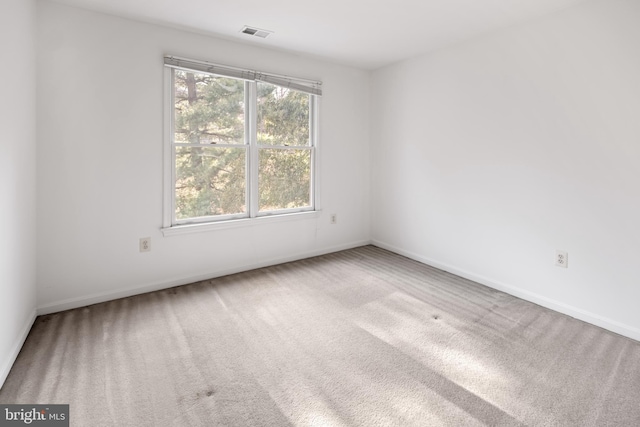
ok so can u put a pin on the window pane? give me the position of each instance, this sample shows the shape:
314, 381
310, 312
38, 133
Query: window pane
208, 109
283, 116
210, 181
284, 178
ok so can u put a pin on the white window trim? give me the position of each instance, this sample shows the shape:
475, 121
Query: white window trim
238, 223
169, 228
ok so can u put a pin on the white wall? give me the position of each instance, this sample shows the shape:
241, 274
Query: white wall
17, 178
486, 157
491, 154
100, 161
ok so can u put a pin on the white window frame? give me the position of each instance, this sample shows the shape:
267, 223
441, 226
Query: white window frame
171, 225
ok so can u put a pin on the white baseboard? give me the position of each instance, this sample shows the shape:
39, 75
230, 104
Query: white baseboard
96, 298
592, 318
17, 346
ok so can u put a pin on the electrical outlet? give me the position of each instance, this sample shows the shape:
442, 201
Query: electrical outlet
333, 219
145, 244
562, 259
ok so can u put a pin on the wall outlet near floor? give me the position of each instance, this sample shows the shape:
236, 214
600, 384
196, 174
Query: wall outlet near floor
562, 259
333, 219
145, 244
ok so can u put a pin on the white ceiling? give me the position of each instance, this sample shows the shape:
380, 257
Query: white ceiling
363, 33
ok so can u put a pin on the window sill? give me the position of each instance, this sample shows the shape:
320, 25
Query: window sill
237, 223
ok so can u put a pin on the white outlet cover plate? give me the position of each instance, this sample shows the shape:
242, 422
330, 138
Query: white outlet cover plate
145, 244
562, 259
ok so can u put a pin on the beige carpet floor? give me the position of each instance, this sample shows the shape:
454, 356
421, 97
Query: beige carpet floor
362, 337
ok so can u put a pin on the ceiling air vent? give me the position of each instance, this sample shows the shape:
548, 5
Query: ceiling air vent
252, 31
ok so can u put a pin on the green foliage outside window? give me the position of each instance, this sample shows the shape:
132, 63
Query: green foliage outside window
211, 174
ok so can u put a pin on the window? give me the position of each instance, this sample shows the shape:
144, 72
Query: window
240, 144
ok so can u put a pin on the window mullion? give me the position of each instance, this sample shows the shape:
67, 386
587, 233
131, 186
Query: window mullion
313, 140
170, 205
252, 169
